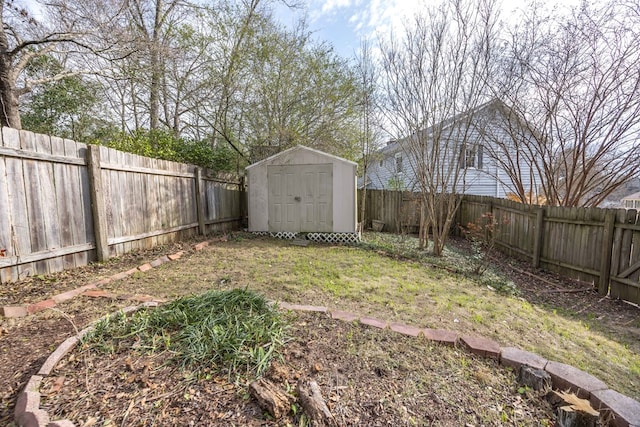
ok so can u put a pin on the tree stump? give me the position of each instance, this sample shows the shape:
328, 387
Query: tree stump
270, 398
575, 412
314, 405
537, 379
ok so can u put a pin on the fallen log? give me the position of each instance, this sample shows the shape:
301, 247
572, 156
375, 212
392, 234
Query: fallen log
314, 405
270, 398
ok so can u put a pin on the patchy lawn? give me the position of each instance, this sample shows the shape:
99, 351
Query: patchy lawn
386, 278
594, 334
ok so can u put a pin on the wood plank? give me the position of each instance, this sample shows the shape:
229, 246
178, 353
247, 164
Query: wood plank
10, 138
165, 232
617, 288
34, 155
50, 185
17, 193
122, 166
63, 188
8, 274
44, 255
108, 196
632, 289
87, 215
617, 242
80, 210
35, 208
125, 201
97, 203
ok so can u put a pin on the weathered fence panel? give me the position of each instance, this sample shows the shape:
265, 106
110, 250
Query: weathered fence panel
625, 265
64, 204
398, 210
599, 246
42, 226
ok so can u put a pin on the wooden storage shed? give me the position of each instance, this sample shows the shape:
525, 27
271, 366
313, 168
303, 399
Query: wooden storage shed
302, 190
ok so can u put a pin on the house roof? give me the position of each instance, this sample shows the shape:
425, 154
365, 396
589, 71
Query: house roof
497, 103
634, 196
299, 148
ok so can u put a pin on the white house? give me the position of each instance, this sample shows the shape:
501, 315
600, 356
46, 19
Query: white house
302, 190
632, 201
394, 166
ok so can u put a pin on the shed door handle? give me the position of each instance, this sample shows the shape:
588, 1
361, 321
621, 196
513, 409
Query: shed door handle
297, 198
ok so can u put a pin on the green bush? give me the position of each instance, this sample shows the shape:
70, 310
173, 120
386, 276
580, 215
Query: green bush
162, 144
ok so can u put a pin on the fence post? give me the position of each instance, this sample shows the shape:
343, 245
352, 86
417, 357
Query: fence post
607, 248
537, 242
199, 202
244, 201
97, 202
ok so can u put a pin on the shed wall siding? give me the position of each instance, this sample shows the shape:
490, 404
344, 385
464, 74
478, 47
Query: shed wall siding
344, 188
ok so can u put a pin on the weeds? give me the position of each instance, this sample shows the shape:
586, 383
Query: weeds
483, 235
235, 332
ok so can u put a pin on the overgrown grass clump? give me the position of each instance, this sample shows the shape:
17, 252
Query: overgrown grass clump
454, 261
234, 332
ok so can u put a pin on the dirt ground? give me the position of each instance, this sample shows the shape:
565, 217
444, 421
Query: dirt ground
370, 377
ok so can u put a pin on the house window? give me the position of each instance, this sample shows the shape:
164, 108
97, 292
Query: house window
398, 162
637, 203
472, 157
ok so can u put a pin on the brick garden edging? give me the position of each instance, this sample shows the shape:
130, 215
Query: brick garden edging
625, 410
25, 310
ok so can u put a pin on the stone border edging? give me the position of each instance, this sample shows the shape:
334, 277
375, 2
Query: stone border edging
26, 310
27, 412
625, 411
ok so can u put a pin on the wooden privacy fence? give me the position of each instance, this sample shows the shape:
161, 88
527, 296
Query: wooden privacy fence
398, 210
596, 245
601, 246
64, 204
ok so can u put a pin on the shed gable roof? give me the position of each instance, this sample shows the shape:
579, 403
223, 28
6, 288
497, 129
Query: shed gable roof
300, 148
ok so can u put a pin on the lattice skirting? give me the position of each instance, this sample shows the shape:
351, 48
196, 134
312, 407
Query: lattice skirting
341, 238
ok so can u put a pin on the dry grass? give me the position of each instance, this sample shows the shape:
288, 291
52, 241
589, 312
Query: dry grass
421, 292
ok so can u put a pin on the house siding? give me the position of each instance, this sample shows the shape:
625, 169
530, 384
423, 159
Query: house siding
490, 180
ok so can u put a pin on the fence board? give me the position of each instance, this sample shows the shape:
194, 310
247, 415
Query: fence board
5, 224
48, 224
19, 238
570, 241
63, 202
625, 283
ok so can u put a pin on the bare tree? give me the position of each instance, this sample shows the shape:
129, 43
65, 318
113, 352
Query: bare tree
572, 81
436, 77
66, 31
369, 129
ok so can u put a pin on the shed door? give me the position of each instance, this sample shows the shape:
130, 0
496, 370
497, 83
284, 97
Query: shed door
300, 198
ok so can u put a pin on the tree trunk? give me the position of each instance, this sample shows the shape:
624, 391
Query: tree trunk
9, 101
8, 98
156, 75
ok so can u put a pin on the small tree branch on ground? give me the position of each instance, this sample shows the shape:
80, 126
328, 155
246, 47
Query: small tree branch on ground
314, 405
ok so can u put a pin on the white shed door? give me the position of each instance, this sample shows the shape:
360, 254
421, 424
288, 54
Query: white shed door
300, 198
